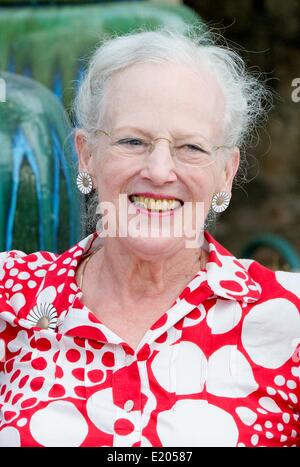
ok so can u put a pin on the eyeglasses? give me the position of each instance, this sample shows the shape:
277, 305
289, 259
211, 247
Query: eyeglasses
193, 151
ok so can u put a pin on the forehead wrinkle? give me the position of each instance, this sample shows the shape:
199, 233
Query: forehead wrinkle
188, 110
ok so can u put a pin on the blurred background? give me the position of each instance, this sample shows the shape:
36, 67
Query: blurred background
44, 46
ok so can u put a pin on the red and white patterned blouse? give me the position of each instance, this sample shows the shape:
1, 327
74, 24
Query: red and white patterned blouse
219, 368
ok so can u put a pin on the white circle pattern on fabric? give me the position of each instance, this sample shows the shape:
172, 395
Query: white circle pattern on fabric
279, 380
198, 424
189, 382
3, 325
10, 438
264, 412
269, 404
291, 384
40, 273
161, 368
13, 272
268, 330
18, 301
293, 398
283, 395
65, 425
47, 295
24, 276
289, 281
286, 417
22, 422
247, 415
101, 410
224, 316
230, 374
17, 287
9, 283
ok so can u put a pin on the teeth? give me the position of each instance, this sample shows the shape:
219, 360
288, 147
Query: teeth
165, 205
155, 204
158, 205
152, 204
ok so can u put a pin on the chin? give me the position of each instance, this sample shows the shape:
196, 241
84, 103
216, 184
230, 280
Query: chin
153, 248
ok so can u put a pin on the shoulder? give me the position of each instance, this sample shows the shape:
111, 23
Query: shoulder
19, 270
283, 284
21, 277
11, 258
271, 326
276, 315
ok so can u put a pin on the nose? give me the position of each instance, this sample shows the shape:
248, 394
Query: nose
159, 164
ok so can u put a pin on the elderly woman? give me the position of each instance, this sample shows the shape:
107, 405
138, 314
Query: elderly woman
138, 336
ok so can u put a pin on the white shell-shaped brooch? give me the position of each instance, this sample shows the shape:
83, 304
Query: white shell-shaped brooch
43, 315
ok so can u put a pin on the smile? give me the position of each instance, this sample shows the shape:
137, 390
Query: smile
155, 205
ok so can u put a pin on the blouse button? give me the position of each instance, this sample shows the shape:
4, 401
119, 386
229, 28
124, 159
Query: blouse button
128, 406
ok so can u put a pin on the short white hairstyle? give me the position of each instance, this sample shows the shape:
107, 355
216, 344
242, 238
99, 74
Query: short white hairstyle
247, 98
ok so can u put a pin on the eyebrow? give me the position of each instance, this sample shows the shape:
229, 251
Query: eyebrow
146, 133
131, 128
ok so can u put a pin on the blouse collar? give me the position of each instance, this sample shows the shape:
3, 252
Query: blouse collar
226, 276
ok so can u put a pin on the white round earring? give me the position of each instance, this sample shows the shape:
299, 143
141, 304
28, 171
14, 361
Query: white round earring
84, 182
220, 201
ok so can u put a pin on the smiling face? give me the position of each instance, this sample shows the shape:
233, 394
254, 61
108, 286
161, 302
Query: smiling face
169, 102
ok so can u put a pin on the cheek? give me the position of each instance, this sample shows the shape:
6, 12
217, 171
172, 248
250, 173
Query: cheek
111, 177
204, 185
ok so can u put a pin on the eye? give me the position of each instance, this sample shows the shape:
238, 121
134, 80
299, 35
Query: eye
195, 148
131, 141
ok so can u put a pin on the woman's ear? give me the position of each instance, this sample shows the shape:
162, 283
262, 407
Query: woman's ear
83, 151
230, 169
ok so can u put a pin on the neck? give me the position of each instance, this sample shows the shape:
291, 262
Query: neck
131, 278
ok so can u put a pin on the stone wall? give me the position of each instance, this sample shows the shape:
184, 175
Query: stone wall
269, 31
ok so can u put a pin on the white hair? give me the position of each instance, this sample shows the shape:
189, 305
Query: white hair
247, 99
